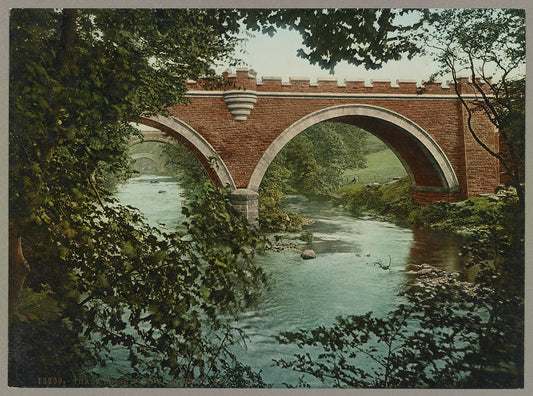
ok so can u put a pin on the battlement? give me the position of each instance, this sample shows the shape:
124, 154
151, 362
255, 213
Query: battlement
246, 79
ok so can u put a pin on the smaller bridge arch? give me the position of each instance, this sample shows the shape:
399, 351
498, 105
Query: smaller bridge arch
154, 158
171, 130
425, 162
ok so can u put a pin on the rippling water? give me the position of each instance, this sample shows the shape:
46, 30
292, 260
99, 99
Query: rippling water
159, 198
344, 279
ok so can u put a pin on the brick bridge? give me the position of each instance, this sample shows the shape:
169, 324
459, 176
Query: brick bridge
236, 131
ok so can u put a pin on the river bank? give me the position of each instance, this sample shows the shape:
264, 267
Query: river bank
393, 202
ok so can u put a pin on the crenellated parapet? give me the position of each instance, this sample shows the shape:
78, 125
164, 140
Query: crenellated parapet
245, 79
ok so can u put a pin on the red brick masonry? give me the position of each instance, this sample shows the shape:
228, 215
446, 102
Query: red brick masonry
426, 130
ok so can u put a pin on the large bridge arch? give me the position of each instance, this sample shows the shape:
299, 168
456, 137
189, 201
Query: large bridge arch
170, 129
425, 162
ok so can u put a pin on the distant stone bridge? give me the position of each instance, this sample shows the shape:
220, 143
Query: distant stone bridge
236, 131
154, 158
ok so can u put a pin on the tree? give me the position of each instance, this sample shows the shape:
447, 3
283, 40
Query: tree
489, 46
310, 165
76, 78
314, 161
362, 36
188, 170
110, 281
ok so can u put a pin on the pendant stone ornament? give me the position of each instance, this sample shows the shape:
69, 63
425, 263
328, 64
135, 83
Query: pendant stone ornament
240, 103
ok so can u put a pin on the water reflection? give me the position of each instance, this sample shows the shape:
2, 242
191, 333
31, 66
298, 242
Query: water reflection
435, 248
438, 249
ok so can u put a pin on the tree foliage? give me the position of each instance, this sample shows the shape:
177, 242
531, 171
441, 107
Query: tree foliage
488, 45
174, 160
77, 78
313, 162
116, 282
189, 171
367, 37
122, 63
311, 165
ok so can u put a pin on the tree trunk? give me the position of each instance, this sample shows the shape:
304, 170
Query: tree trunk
68, 34
18, 270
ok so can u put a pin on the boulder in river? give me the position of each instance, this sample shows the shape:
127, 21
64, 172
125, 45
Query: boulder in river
308, 254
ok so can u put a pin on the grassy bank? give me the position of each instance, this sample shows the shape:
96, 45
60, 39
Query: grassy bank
391, 200
381, 167
394, 201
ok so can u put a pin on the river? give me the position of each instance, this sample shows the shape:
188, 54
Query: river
344, 279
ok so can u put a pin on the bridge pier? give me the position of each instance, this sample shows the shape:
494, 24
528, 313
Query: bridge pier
246, 202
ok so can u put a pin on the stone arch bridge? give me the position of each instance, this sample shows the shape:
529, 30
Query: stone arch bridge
236, 131
153, 158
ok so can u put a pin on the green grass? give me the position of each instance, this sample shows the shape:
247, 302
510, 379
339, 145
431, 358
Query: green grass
382, 167
374, 144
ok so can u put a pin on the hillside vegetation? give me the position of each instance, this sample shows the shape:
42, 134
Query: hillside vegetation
382, 164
